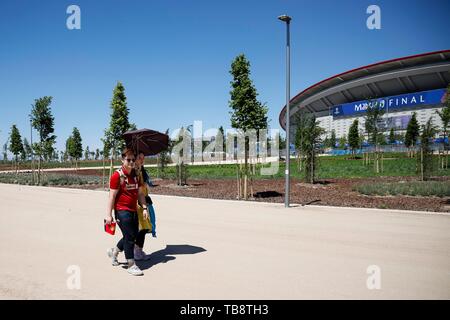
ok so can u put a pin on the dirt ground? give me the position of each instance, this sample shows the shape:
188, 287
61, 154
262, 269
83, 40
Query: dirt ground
332, 192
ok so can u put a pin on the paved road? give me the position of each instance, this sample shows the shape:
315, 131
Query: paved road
214, 249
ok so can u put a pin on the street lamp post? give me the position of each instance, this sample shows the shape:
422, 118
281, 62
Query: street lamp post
32, 153
287, 20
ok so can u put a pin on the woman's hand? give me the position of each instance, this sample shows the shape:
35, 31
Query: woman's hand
145, 213
108, 219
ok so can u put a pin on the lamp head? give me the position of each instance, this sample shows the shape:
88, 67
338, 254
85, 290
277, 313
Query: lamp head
285, 18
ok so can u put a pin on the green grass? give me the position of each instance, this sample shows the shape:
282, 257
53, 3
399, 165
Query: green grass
49, 179
395, 165
412, 188
328, 168
8, 165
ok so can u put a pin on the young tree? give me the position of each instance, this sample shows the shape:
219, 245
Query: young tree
374, 114
353, 136
106, 149
412, 132
74, 146
23, 155
27, 149
326, 142
69, 148
333, 139
301, 121
87, 153
119, 122
184, 137
164, 158
5, 152
381, 139
105, 155
221, 134
425, 159
247, 112
444, 114
63, 156
400, 137
43, 121
362, 137
310, 146
15, 145
77, 145
392, 136
97, 154
55, 155
342, 142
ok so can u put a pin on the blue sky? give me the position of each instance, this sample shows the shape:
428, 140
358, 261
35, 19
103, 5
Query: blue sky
174, 56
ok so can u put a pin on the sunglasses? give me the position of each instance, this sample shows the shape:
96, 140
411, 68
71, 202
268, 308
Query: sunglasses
131, 160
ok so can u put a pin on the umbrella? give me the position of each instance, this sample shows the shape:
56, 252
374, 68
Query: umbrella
149, 142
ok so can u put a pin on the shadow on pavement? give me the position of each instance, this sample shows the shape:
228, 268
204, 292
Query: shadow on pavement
267, 194
165, 255
311, 202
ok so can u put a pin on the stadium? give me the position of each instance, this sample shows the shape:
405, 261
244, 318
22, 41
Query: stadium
401, 86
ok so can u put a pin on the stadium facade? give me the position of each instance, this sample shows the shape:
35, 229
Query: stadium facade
400, 86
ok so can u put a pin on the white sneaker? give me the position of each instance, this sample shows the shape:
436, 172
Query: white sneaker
139, 254
113, 256
135, 271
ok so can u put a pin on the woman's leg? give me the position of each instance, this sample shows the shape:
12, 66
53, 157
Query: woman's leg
140, 239
128, 224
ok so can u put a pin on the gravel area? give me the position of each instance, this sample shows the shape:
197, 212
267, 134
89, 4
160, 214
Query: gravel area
332, 192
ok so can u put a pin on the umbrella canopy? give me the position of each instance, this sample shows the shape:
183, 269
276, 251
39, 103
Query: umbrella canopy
149, 142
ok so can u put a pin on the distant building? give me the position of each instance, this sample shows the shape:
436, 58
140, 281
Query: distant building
401, 86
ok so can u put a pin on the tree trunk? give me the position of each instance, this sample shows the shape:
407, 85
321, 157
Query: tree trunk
446, 159
377, 159
103, 173
421, 165
111, 162
32, 165
245, 170
238, 180
241, 181
157, 166
39, 171
242, 175
252, 166
299, 161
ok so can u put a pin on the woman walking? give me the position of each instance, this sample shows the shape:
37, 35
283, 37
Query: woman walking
145, 225
124, 194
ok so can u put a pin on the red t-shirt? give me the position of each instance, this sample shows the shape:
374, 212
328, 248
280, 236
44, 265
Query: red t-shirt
127, 197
